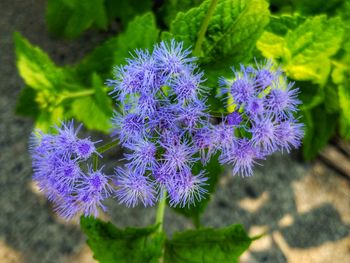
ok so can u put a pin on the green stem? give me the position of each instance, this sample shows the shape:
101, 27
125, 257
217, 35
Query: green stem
82, 93
101, 150
95, 162
201, 33
196, 222
77, 94
160, 212
107, 146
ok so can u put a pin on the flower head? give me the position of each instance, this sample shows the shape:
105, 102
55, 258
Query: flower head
57, 164
187, 189
133, 187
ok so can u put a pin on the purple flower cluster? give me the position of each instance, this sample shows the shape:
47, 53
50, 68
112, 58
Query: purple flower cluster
263, 119
57, 164
164, 124
162, 115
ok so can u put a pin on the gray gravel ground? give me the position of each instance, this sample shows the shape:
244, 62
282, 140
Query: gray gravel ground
28, 226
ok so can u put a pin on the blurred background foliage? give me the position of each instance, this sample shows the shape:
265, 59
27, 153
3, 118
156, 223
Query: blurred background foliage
310, 40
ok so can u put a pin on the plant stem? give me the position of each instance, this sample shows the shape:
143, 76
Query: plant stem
95, 162
160, 212
201, 33
107, 146
77, 94
82, 93
101, 150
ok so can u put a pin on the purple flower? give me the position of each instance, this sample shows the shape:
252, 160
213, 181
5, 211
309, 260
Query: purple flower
84, 148
171, 59
265, 76
223, 135
164, 119
187, 189
242, 155
242, 90
66, 138
179, 155
264, 133
92, 189
282, 101
128, 125
142, 154
254, 107
289, 134
187, 86
133, 187
205, 143
234, 119
57, 165
146, 105
193, 115
165, 125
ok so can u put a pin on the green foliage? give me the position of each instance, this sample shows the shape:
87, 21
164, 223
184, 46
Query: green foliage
307, 49
232, 31
214, 170
320, 126
35, 67
341, 77
169, 11
56, 93
131, 245
111, 245
53, 89
207, 245
125, 10
26, 104
69, 18
317, 7
280, 25
142, 32
94, 111
304, 51
229, 40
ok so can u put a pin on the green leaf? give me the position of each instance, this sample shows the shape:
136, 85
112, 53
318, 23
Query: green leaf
69, 18
341, 76
280, 25
26, 104
344, 101
317, 7
274, 47
94, 111
232, 31
171, 8
142, 33
331, 98
103, 100
214, 169
207, 245
306, 50
48, 118
312, 43
100, 60
131, 245
320, 126
311, 94
35, 67
126, 9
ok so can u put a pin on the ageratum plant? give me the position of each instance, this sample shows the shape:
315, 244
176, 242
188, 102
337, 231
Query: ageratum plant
163, 123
